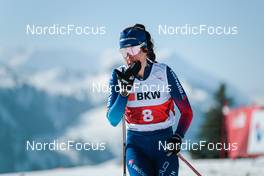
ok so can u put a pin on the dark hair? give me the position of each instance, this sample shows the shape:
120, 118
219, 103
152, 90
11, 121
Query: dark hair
150, 46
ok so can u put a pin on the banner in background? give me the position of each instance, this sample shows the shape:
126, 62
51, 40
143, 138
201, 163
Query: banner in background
245, 126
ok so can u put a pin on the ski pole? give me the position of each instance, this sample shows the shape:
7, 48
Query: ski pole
124, 146
188, 164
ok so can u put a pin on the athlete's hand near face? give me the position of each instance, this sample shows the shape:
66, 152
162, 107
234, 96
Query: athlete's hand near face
126, 77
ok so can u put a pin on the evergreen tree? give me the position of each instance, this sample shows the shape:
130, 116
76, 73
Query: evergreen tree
212, 130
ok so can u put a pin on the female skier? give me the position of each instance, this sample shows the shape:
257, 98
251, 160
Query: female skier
145, 91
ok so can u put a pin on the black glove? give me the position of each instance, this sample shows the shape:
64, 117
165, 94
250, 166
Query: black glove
126, 77
174, 145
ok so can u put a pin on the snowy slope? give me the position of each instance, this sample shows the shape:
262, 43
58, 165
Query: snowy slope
58, 81
94, 127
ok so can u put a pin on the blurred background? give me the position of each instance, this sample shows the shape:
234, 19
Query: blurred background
46, 80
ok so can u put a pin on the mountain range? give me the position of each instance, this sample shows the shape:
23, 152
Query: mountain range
47, 94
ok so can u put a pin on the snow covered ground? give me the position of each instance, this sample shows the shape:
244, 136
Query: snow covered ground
242, 167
